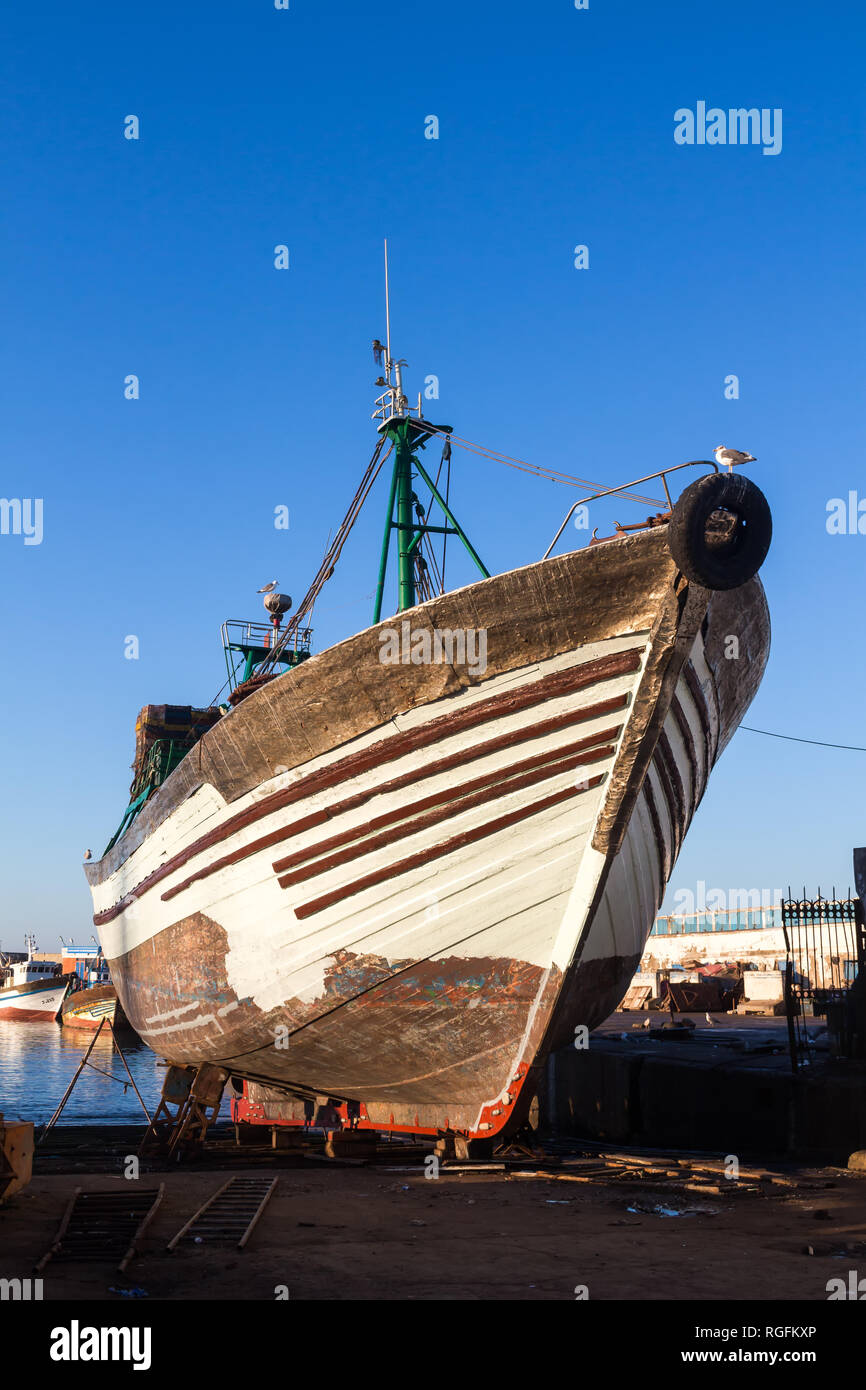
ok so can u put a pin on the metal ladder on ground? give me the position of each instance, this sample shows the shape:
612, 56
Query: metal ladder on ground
230, 1215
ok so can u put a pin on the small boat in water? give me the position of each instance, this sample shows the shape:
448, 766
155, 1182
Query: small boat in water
32, 991
86, 1008
93, 999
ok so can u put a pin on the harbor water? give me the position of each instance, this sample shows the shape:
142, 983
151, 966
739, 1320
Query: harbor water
38, 1061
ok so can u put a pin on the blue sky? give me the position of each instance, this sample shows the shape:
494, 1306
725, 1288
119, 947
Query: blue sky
306, 127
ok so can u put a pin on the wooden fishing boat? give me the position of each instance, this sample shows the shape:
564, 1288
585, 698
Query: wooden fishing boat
390, 884
87, 1007
32, 990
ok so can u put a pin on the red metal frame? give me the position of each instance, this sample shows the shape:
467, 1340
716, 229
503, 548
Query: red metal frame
494, 1118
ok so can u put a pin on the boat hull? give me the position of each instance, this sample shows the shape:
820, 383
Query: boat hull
400, 886
33, 1003
87, 1008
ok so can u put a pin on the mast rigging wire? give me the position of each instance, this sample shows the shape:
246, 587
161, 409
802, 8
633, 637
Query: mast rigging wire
537, 470
334, 551
374, 467
332, 555
816, 742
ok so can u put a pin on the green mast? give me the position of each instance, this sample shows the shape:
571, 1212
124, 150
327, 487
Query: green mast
403, 460
408, 431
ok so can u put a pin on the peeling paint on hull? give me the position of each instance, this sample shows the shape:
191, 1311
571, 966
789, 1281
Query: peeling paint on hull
401, 886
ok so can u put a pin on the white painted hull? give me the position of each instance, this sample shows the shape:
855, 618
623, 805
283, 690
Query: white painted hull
32, 1005
419, 911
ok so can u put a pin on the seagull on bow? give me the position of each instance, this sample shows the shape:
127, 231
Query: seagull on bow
732, 457
268, 588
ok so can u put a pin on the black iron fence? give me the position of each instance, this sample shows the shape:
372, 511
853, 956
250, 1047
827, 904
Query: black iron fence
825, 949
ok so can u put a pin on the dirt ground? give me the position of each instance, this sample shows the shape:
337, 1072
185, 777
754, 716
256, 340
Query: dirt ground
333, 1233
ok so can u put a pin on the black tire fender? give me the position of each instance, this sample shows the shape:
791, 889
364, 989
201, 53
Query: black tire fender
720, 530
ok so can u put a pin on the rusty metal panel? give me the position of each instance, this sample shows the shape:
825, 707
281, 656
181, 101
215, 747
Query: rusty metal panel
16, 1156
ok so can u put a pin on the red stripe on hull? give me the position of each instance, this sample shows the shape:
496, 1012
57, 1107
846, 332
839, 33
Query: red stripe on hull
451, 802
687, 737
658, 835
557, 684
419, 823
29, 1015
398, 783
415, 861
696, 691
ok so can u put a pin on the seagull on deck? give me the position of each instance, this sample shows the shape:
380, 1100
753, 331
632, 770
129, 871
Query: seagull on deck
268, 588
710, 1023
732, 456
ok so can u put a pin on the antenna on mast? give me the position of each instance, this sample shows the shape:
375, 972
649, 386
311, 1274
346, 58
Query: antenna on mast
387, 308
392, 404
408, 432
